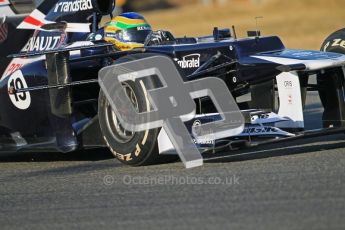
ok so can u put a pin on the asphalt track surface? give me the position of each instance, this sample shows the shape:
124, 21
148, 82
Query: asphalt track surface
297, 185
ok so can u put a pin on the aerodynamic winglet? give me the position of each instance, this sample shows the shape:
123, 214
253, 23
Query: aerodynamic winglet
59, 50
289, 68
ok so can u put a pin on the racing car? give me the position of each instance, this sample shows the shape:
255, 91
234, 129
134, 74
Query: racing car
51, 98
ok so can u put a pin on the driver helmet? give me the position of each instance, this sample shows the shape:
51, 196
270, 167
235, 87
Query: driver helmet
127, 31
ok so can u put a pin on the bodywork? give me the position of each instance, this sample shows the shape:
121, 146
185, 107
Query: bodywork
54, 77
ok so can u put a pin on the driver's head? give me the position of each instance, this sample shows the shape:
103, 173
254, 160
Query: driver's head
127, 31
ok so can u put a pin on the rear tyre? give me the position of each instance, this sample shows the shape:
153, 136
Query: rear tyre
131, 148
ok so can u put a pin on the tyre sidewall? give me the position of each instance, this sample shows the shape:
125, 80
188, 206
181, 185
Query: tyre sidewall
335, 42
136, 150
142, 149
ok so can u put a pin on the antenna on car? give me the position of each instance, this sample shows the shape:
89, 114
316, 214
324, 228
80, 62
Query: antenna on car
94, 23
234, 31
258, 33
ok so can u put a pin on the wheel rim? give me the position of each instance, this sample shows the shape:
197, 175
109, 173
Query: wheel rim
116, 129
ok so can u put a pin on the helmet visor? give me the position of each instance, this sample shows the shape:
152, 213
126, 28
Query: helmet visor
136, 35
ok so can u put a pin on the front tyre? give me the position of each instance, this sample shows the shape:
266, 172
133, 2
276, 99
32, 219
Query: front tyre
139, 148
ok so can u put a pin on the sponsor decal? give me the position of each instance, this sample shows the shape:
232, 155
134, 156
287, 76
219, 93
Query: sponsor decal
18, 63
13, 67
143, 28
73, 6
290, 99
189, 61
338, 42
288, 84
302, 54
264, 130
3, 32
20, 100
40, 43
203, 141
196, 127
260, 130
265, 118
197, 131
110, 35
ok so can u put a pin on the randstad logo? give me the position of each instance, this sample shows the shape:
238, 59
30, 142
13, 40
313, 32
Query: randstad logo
73, 6
190, 61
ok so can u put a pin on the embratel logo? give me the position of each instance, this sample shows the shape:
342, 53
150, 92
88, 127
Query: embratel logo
73, 6
190, 61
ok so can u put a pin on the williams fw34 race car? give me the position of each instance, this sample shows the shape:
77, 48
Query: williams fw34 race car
51, 99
